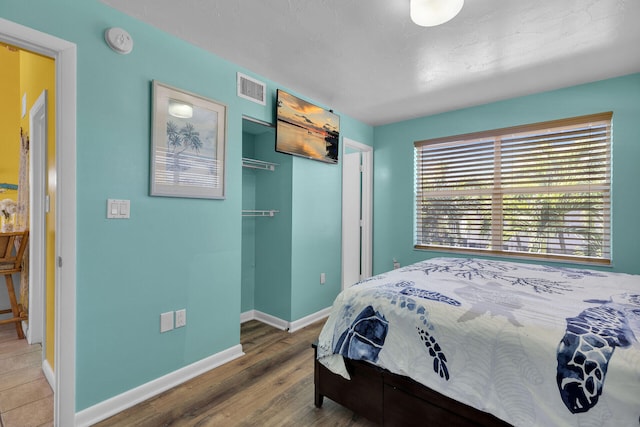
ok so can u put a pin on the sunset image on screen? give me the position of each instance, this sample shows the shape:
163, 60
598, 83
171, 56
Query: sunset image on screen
306, 130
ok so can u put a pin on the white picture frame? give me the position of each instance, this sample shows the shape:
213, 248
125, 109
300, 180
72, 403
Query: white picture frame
188, 144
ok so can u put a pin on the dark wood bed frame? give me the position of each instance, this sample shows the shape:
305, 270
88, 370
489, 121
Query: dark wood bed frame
393, 400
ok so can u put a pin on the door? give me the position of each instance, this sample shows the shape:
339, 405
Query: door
356, 212
37, 168
351, 211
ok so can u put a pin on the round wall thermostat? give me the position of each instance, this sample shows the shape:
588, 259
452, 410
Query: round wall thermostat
118, 40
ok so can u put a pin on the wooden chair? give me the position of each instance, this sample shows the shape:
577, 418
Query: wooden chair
12, 247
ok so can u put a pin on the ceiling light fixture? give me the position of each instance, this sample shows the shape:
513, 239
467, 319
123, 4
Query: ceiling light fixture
429, 13
180, 109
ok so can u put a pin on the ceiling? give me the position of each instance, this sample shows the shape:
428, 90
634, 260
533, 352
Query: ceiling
366, 59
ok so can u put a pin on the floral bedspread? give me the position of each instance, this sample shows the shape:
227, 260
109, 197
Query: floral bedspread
534, 345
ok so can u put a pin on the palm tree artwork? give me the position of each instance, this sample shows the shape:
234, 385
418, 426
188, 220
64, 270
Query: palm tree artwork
180, 140
189, 156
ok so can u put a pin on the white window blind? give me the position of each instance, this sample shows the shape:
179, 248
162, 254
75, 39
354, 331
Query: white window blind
535, 190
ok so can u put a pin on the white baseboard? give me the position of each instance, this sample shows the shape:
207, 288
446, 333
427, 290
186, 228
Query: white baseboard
119, 403
264, 318
271, 320
307, 320
283, 324
247, 315
48, 374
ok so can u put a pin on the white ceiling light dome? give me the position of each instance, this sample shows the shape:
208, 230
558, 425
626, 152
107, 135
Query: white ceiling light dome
429, 13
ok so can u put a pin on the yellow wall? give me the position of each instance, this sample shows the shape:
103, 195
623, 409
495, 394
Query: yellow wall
9, 118
37, 73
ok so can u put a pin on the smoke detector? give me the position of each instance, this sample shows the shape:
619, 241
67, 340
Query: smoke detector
118, 40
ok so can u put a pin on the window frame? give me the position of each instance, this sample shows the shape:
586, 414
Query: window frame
497, 223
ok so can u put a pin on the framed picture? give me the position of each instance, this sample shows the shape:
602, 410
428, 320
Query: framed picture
188, 142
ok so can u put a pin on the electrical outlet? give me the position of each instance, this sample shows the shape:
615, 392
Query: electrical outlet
396, 264
323, 278
181, 318
166, 321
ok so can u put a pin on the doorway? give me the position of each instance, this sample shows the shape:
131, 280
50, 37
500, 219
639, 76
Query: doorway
357, 197
64, 54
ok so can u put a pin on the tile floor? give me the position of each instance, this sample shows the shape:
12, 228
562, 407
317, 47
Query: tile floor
26, 399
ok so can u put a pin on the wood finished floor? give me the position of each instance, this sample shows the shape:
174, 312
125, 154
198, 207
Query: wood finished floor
26, 399
272, 385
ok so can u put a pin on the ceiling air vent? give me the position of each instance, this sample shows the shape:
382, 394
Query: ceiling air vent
252, 89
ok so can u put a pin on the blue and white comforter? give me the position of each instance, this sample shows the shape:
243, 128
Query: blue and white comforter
534, 345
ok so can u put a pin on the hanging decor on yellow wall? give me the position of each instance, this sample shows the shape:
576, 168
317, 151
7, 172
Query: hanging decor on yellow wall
22, 209
22, 216
7, 215
4, 187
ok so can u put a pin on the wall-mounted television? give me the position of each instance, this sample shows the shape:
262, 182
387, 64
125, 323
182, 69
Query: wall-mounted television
306, 130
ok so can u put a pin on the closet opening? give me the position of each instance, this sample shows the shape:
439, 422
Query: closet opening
266, 227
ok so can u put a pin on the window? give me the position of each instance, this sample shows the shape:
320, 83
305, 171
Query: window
539, 190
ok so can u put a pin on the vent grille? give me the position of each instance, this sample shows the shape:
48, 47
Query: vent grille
252, 89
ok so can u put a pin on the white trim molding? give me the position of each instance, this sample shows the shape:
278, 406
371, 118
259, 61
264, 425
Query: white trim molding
65, 55
129, 398
283, 324
366, 257
296, 325
48, 374
247, 315
270, 320
38, 118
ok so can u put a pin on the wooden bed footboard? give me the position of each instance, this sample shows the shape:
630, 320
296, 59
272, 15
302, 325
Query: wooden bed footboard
393, 400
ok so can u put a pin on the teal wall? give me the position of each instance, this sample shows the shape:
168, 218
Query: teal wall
172, 253
393, 178
273, 234
317, 222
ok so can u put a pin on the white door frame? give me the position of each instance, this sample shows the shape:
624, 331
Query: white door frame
366, 260
65, 55
37, 260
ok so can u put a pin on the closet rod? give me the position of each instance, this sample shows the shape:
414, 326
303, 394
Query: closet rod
258, 164
271, 212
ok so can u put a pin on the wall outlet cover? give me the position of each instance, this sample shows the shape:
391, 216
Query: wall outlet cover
166, 321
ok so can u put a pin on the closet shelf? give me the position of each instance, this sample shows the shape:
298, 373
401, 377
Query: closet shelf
258, 164
270, 212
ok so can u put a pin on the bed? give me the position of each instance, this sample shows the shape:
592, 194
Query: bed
462, 341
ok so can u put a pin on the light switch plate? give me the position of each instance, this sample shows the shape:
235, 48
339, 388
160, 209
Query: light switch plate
117, 208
